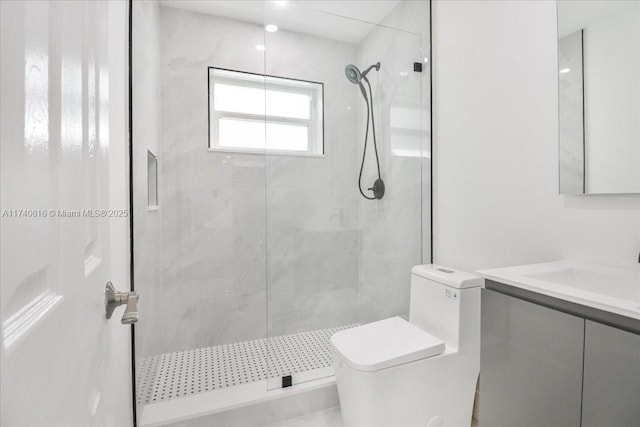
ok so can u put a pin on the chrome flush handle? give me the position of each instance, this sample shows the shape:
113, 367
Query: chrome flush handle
114, 298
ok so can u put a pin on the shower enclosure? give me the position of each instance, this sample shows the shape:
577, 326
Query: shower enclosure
252, 242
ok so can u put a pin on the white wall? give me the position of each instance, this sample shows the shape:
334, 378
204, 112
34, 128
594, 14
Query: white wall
496, 199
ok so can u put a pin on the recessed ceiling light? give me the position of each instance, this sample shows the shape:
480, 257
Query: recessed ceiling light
404, 73
261, 47
272, 28
426, 59
565, 70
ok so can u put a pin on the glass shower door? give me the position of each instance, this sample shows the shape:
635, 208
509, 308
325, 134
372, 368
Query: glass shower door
336, 259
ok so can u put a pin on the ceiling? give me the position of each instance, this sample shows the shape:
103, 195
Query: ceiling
578, 14
348, 21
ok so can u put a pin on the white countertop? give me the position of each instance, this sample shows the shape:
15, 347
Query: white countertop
612, 289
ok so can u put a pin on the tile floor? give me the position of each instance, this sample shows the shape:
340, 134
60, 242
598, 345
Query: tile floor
328, 418
172, 375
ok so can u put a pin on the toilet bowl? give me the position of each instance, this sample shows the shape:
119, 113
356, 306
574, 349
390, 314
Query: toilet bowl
421, 372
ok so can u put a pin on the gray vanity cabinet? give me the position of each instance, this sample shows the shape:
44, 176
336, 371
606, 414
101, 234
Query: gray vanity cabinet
543, 367
531, 364
611, 377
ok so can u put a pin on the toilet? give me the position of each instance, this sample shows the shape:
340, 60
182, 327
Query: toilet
394, 373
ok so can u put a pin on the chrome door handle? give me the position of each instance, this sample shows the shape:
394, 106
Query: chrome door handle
114, 298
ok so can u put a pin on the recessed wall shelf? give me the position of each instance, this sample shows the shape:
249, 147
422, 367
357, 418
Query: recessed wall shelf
152, 181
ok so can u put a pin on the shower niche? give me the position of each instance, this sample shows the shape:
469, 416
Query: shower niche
265, 246
152, 181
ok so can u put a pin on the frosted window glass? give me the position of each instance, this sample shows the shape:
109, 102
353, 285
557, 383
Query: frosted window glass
250, 134
238, 133
287, 137
238, 99
288, 104
251, 100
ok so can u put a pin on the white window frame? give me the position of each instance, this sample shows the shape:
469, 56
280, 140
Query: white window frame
315, 124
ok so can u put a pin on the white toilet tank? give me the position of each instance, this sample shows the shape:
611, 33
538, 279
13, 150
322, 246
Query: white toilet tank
444, 301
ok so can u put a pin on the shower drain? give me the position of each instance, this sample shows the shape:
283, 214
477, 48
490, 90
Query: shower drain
171, 375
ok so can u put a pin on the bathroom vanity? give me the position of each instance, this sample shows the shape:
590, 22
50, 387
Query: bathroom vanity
560, 346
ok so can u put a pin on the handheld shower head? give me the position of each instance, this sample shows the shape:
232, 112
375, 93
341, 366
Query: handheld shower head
355, 76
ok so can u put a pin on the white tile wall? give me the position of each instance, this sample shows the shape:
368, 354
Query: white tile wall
228, 218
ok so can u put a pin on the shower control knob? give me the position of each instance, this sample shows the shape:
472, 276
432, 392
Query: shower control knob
378, 188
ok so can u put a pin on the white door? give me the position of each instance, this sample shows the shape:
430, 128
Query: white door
63, 206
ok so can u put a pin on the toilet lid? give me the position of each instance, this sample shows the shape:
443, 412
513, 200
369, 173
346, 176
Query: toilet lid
385, 343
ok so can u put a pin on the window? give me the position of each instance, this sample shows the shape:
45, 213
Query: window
255, 113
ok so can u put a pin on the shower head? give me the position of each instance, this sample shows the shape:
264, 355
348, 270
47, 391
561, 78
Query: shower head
355, 76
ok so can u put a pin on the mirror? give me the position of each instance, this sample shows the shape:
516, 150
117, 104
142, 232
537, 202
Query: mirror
599, 96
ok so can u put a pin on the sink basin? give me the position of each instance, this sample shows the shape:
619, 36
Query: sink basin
613, 289
616, 285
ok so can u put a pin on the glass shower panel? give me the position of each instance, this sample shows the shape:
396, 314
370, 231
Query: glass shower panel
199, 254
265, 235
336, 259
